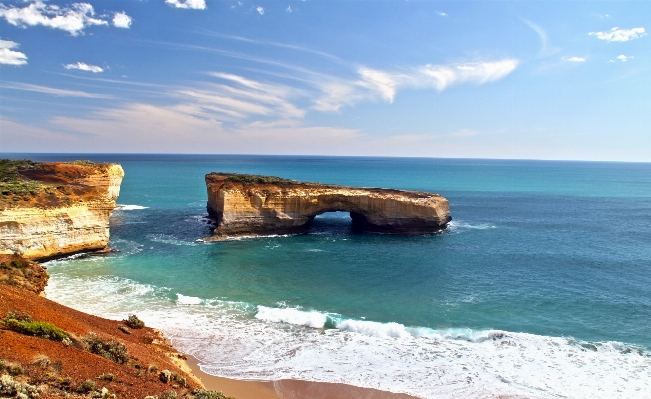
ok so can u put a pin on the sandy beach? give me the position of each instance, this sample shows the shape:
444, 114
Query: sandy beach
287, 389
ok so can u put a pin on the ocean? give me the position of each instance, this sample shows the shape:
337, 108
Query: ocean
541, 285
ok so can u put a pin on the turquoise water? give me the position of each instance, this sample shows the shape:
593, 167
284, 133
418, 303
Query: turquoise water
541, 285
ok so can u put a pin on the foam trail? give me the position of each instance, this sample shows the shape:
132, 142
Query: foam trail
130, 207
170, 239
456, 224
237, 340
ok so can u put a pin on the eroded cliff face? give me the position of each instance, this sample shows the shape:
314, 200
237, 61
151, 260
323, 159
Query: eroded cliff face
247, 204
53, 209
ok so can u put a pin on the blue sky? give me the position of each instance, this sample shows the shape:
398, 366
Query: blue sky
490, 79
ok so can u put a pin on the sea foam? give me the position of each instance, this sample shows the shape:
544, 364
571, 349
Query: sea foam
241, 341
188, 300
292, 316
130, 207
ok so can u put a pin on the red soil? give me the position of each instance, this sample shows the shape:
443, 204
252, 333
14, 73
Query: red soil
69, 365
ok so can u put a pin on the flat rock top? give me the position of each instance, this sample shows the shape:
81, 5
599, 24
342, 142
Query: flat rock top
231, 181
25, 183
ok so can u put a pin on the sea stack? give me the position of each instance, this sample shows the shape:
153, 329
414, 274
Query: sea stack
258, 205
54, 209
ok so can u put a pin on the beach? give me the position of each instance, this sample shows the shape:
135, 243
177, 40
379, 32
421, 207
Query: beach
286, 389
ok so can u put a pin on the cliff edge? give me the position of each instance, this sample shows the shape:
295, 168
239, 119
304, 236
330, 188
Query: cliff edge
251, 204
48, 350
53, 209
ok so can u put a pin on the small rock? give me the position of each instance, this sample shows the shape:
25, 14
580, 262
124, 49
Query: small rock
124, 329
165, 376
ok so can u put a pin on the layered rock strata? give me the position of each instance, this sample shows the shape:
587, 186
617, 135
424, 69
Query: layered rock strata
54, 209
249, 204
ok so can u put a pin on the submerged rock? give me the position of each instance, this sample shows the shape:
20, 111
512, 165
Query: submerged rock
250, 204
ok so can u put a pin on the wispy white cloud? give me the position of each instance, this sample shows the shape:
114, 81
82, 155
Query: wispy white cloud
245, 97
191, 4
442, 14
11, 57
84, 67
623, 58
122, 20
377, 84
281, 45
260, 10
620, 35
546, 50
573, 59
73, 19
288, 9
51, 90
442, 76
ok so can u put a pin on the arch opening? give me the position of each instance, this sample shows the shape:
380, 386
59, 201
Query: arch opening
341, 221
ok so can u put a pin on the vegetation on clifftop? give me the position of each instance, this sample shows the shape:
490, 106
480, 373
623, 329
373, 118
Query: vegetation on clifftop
14, 186
43, 184
248, 180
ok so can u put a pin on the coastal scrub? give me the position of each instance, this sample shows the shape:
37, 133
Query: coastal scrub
112, 350
22, 323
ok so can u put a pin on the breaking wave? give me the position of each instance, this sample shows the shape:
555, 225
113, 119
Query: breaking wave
239, 340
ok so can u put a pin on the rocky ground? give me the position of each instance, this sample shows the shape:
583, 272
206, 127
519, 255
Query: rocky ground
51, 351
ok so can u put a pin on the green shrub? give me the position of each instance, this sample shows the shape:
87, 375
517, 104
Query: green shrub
17, 264
84, 162
106, 377
168, 395
15, 369
258, 179
124, 329
134, 322
205, 394
87, 386
39, 329
112, 350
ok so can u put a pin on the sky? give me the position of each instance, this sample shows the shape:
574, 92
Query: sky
567, 80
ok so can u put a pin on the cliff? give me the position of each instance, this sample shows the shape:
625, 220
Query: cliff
249, 204
48, 350
52, 209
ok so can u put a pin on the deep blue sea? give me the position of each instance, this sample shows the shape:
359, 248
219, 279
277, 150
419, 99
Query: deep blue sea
541, 286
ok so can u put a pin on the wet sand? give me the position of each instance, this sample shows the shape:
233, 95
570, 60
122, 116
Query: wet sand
287, 389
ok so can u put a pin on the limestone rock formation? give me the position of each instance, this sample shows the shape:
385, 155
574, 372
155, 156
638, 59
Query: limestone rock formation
53, 209
249, 204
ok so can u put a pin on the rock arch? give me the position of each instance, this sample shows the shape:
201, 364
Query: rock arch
250, 204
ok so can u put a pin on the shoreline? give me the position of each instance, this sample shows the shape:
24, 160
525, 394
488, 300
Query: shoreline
286, 389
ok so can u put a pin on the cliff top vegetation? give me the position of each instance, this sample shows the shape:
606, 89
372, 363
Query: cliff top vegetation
248, 180
24, 181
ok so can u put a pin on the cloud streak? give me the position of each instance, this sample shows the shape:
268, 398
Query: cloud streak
573, 59
84, 67
9, 56
619, 35
376, 84
545, 50
51, 90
